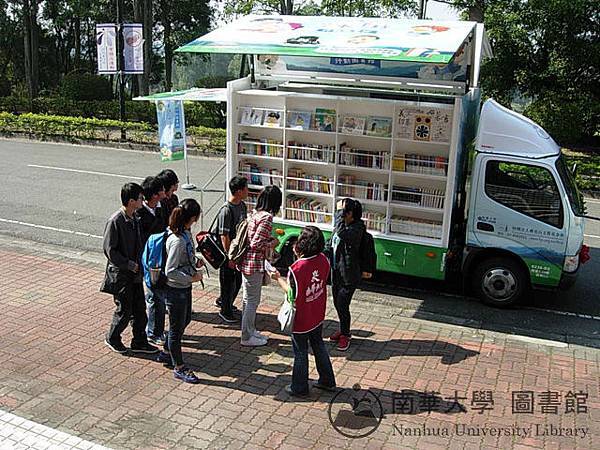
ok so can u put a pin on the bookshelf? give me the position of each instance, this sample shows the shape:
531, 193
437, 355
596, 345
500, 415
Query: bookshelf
394, 156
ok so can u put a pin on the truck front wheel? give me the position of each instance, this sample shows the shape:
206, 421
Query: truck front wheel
500, 282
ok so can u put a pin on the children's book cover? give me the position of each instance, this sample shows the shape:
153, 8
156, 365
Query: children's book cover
379, 126
299, 120
325, 119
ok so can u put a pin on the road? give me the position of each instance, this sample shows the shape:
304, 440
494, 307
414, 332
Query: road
62, 194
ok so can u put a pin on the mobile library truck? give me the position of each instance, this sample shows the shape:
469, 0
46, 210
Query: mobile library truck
388, 112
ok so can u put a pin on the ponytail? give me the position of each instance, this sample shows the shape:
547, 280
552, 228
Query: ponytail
182, 214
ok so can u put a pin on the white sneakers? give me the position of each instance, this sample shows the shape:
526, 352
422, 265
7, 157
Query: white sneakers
259, 335
254, 341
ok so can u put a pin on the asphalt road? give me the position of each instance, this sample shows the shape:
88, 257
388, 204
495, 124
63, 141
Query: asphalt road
62, 194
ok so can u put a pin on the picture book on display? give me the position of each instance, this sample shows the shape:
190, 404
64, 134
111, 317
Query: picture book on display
251, 116
272, 118
325, 119
353, 125
379, 126
299, 120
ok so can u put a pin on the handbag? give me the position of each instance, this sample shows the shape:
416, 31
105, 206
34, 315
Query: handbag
286, 316
209, 245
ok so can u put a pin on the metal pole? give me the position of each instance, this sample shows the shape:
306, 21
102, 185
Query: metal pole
121, 64
187, 185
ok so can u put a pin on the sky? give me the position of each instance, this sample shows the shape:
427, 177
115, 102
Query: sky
441, 11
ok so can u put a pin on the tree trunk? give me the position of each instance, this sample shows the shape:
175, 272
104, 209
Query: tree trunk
77, 39
168, 53
148, 25
476, 11
31, 44
138, 17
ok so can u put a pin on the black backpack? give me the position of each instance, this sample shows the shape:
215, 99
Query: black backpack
368, 256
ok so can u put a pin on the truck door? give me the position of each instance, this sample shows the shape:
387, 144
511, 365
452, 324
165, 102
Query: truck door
518, 208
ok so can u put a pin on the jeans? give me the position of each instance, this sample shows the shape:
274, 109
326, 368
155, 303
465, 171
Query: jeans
230, 281
251, 290
179, 307
342, 296
300, 372
130, 307
155, 304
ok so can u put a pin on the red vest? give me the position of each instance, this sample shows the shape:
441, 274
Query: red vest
310, 275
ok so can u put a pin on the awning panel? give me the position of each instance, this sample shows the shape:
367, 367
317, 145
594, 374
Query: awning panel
344, 37
194, 95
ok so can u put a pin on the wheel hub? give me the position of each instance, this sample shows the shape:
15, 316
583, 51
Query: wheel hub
500, 284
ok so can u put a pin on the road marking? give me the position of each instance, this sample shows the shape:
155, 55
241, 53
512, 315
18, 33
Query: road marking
589, 200
64, 169
45, 227
18, 432
591, 236
564, 313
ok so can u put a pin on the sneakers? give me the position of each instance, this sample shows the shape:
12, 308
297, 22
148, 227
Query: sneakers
260, 335
288, 389
117, 347
144, 348
234, 308
343, 343
229, 318
186, 375
165, 359
158, 341
335, 336
254, 342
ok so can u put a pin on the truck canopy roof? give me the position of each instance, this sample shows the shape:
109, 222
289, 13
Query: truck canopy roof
506, 132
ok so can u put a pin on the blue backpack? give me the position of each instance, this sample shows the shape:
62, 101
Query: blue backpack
155, 257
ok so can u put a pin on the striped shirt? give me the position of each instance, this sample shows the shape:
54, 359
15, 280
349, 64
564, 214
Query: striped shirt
260, 226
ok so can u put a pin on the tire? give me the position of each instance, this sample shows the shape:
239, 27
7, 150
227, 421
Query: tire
500, 282
287, 257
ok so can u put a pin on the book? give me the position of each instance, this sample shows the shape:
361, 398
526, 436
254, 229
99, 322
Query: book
353, 125
325, 119
299, 120
272, 118
251, 116
379, 126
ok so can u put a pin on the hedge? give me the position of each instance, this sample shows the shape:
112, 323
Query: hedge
196, 114
73, 128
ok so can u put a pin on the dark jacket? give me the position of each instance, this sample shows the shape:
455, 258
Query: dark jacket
123, 249
151, 223
345, 263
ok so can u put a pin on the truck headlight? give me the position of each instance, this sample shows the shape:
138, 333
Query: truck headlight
571, 263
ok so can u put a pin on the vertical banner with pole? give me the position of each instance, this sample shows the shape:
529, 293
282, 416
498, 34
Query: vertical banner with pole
171, 130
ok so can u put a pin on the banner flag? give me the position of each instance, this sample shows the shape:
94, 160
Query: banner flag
171, 129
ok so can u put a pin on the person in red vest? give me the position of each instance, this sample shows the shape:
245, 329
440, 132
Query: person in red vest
306, 289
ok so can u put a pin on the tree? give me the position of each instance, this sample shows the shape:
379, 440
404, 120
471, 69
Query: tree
31, 43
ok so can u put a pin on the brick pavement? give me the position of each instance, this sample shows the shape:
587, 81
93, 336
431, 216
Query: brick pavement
56, 371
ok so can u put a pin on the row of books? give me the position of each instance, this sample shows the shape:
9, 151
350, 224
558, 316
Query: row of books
416, 227
261, 176
364, 158
374, 221
311, 152
323, 119
306, 210
427, 197
371, 126
248, 145
415, 163
308, 182
349, 186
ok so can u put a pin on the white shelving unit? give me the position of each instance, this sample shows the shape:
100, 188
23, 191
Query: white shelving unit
405, 184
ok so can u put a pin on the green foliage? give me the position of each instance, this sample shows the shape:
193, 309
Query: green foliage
76, 128
85, 86
588, 170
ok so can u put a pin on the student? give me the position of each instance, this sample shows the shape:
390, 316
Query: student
181, 271
230, 216
171, 184
260, 244
123, 249
152, 221
344, 248
306, 289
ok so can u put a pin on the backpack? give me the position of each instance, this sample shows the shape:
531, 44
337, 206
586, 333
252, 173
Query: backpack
209, 244
240, 244
368, 256
155, 257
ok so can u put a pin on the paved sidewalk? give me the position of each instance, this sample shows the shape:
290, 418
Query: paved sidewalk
417, 384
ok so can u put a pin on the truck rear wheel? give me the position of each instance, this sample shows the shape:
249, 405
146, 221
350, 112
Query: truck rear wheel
500, 282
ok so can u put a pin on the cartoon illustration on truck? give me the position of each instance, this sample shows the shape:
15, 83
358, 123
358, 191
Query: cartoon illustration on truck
456, 189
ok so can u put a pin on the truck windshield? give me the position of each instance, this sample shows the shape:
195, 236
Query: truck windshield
575, 197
